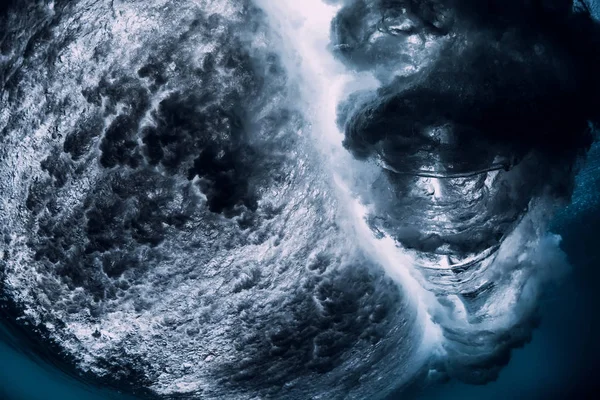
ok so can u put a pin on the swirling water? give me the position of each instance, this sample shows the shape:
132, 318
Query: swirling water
302, 69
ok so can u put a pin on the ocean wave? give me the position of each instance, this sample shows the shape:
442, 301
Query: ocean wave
218, 199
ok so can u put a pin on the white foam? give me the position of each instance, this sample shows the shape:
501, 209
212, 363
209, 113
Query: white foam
324, 83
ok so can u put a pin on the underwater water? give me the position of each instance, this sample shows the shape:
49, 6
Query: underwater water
560, 362
259, 199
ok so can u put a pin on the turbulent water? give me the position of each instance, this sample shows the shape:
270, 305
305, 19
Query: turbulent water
284, 199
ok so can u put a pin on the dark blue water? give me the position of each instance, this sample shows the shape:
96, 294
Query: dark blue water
23, 377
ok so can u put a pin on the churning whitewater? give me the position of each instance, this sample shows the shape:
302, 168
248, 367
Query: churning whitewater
245, 199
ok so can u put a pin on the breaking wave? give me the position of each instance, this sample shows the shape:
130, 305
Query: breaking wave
283, 199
